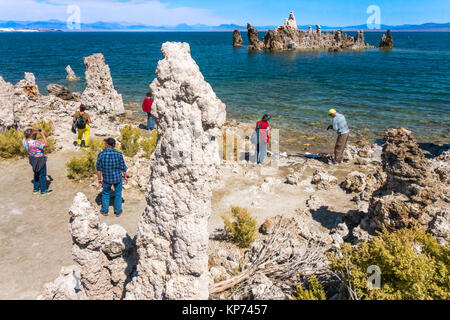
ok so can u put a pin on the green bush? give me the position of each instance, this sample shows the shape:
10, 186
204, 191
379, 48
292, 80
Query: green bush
82, 167
315, 291
129, 143
85, 166
96, 145
413, 265
148, 145
11, 144
241, 226
48, 127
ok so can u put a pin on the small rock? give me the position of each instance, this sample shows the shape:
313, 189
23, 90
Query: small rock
262, 288
219, 273
360, 235
62, 92
354, 182
323, 180
314, 202
291, 179
70, 74
269, 224
342, 230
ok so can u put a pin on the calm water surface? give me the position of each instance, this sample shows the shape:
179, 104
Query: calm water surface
409, 86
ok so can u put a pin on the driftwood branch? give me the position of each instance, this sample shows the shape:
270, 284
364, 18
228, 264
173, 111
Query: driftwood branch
270, 260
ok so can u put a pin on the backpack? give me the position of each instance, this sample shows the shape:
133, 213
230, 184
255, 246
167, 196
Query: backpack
80, 123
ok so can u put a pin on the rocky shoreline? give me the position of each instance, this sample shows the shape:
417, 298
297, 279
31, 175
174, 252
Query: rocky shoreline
305, 208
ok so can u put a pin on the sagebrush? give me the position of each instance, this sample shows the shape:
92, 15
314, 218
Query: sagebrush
148, 145
83, 167
315, 291
129, 144
413, 266
47, 126
11, 144
240, 226
96, 145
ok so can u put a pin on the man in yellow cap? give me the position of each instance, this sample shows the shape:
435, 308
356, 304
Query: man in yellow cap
339, 124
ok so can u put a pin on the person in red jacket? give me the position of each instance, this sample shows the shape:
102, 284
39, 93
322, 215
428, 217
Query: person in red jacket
147, 107
263, 135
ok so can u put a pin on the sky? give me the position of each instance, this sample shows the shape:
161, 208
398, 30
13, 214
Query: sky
215, 12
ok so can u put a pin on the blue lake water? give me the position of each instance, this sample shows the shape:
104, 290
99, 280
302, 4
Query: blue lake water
408, 86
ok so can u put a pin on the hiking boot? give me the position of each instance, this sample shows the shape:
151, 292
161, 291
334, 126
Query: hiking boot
118, 214
46, 193
103, 213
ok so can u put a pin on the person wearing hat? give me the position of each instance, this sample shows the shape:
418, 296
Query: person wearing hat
339, 125
110, 168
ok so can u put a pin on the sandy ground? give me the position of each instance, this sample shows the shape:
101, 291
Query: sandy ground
265, 194
34, 230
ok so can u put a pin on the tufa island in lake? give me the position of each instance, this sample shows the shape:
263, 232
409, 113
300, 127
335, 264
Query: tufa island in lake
289, 37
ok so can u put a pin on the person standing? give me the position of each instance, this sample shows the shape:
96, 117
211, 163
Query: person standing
339, 125
147, 107
37, 159
110, 168
262, 131
81, 120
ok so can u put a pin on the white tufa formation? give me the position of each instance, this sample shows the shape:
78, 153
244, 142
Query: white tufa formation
289, 37
6, 105
22, 105
105, 257
290, 22
172, 237
70, 74
100, 94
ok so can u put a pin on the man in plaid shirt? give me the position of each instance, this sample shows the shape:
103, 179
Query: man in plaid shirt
111, 165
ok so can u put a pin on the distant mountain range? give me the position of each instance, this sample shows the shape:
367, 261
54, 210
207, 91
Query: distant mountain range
123, 26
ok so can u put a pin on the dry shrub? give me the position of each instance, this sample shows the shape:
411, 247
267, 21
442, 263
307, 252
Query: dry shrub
11, 144
11, 140
240, 226
413, 266
86, 165
315, 291
96, 145
129, 143
148, 145
82, 167
48, 127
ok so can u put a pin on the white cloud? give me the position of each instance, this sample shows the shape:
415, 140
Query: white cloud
149, 12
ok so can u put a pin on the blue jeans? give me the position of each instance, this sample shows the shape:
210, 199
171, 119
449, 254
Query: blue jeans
40, 180
261, 153
106, 193
150, 122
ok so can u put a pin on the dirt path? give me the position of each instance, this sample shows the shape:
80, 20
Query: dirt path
34, 230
